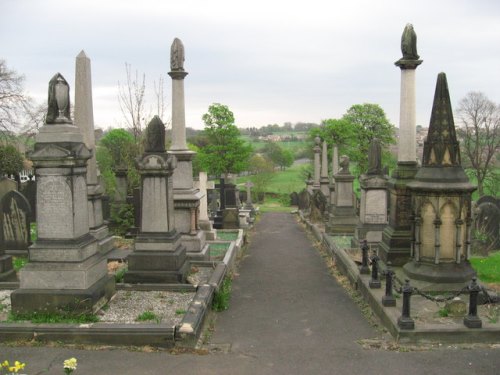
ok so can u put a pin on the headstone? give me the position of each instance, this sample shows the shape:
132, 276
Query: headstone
6, 185
294, 199
158, 256
486, 225
373, 204
317, 163
342, 217
248, 204
66, 271
15, 222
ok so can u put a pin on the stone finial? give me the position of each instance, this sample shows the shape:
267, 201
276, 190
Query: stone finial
409, 43
441, 147
317, 141
375, 157
155, 136
58, 103
177, 56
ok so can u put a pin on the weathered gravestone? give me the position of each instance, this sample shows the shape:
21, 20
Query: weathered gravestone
294, 199
486, 225
15, 214
6, 185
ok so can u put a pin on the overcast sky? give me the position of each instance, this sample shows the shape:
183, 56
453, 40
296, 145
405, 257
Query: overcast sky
269, 61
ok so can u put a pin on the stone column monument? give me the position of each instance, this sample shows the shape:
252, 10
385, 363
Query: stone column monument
324, 180
84, 120
186, 196
373, 206
158, 256
396, 239
317, 164
335, 170
441, 195
66, 272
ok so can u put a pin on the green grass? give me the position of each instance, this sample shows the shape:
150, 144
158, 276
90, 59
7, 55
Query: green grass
272, 204
148, 316
41, 318
19, 262
218, 250
487, 268
284, 182
180, 312
120, 274
227, 236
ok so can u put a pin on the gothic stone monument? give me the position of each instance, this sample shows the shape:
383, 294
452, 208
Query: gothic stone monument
66, 270
158, 256
441, 202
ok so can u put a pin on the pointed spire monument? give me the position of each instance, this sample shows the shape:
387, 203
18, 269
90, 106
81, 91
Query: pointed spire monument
441, 196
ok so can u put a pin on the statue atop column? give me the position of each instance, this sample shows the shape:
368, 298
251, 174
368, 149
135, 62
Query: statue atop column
155, 136
409, 43
177, 56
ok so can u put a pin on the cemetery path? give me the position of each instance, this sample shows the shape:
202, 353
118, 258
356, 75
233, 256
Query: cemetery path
287, 315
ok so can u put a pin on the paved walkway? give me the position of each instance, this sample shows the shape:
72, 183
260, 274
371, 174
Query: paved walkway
287, 316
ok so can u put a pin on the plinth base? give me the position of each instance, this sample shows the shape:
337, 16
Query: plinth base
442, 273
67, 301
472, 322
338, 223
230, 218
157, 266
395, 246
406, 323
372, 233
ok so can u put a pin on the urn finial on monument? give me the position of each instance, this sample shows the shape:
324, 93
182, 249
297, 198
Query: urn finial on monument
58, 104
410, 59
155, 136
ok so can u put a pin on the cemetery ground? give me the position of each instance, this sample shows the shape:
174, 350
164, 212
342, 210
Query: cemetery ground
291, 311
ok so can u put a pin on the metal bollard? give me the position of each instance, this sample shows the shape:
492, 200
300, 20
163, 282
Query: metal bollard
472, 320
388, 299
405, 321
364, 270
374, 283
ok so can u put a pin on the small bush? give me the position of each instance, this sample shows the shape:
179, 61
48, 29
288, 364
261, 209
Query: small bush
122, 215
221, 298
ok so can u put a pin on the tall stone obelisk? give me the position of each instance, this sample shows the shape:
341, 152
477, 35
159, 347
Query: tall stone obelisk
317, 163
67, 272
396, 238
186, 196
84, 120
324, 180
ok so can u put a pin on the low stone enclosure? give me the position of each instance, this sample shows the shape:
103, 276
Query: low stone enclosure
414, 313
206, 282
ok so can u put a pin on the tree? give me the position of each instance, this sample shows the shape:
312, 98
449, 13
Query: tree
278, 155
479, 118
263, 172
226, 152
368, 122
13, 101
131, 98
11, 160
122, 150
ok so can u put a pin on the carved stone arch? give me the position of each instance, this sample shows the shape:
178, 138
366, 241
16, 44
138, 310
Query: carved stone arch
448, 230
427, 237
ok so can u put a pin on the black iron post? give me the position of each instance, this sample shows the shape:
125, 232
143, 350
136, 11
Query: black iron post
405, 321
374, 283
364, 270
472, 320
388, 299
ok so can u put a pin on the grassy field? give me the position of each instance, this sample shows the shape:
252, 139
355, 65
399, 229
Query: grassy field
487, 268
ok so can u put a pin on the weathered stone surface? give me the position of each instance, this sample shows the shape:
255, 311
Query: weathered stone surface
15, 213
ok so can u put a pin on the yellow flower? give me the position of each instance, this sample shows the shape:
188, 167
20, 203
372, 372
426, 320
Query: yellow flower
5, 364
70, 364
